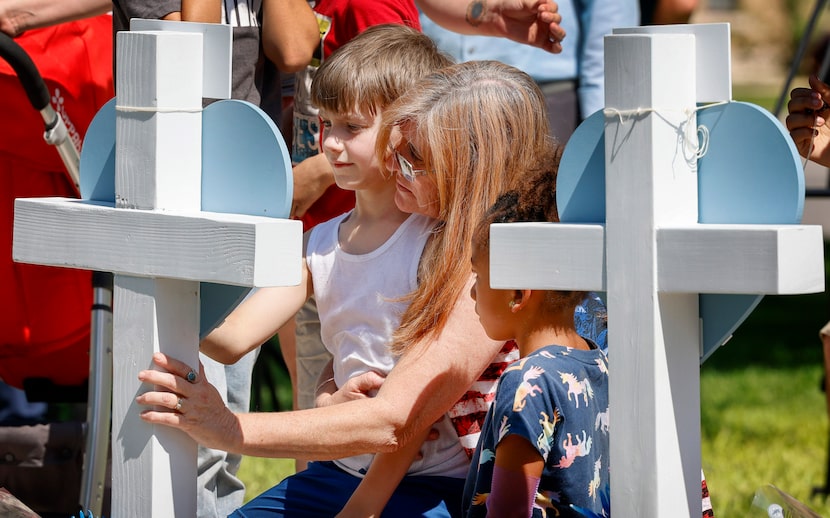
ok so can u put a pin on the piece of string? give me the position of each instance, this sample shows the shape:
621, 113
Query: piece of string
155, 109
689, 131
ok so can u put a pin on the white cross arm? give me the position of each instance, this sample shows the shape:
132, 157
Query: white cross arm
747, 259
705, 258
547, 256
203, 246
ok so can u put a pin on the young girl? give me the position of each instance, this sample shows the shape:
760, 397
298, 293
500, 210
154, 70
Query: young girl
544, 443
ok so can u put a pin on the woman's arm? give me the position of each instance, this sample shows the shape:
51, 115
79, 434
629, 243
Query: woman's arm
289, 33
18, 16
533, 22
424, 384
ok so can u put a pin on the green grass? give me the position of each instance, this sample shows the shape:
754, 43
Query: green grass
763, 95
763, 414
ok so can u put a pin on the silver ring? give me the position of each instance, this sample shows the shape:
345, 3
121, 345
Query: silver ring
179, 405
191, 376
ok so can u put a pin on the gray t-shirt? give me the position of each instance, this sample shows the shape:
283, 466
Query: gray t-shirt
244, 17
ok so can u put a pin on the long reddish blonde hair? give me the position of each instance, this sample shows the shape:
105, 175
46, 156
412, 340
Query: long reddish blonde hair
479, 124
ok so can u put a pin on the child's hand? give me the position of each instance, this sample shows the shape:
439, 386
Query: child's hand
359, 387
431, 436
806, 121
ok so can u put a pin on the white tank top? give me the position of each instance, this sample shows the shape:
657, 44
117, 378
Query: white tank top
358, 300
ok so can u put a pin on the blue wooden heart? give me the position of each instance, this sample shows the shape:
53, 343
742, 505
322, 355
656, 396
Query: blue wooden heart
246, 169
751, 173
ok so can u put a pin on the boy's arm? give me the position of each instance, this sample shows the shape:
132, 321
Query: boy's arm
387, 469
289, 33
384, 474
257, 318
516, 478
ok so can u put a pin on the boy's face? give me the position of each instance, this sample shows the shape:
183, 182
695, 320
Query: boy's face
492, 306
349, 146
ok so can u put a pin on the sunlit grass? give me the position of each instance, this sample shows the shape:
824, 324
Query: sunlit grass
765, 96
763, 425
262, 474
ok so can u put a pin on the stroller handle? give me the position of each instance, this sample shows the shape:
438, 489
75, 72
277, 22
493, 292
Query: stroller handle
26, 71
35, 88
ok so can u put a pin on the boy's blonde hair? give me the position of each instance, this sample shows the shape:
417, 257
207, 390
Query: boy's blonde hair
374, 69
480, 124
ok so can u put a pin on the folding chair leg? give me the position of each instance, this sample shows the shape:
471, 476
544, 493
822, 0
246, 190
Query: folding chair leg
99, 402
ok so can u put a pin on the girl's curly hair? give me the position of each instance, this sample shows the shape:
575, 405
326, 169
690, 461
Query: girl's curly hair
532, 198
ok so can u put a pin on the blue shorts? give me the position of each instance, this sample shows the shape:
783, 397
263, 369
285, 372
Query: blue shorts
323, 489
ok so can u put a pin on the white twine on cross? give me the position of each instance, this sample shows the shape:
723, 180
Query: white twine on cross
696, 148
155, 109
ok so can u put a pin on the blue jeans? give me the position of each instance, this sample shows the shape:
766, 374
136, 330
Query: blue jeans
323, 489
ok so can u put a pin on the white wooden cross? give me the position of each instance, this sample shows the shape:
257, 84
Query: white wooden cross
159, 245
653, 259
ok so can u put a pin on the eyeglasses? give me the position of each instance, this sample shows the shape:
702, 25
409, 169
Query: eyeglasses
407, 169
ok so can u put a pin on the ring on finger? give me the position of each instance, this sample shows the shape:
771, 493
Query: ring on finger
179, 405
191, 376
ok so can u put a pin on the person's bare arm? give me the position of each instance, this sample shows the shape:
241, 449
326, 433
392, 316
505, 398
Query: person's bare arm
379, 484
807, 121
516, 478
387, 469
289, 33
533, 22
420, 389
203, 11
257, 319
312, 177
18, 16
